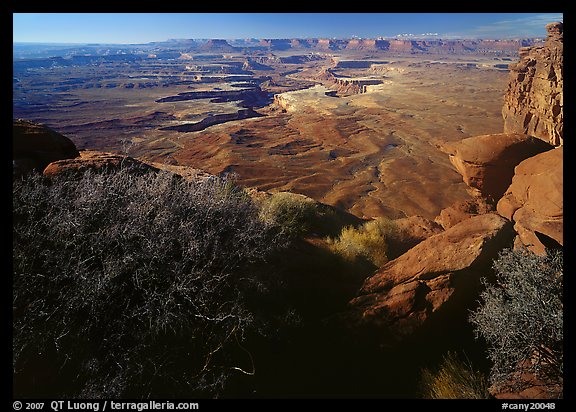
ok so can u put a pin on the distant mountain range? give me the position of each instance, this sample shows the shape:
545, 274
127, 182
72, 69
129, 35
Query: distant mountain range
433, 46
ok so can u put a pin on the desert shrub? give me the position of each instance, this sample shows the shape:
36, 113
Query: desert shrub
135, 286
368, 241
454, 379
295, 214
521, 316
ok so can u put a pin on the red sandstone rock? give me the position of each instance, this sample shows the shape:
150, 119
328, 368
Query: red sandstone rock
463, 210
411, 231
97, 162
445, 268
487, 162
34, 146
534, 200
367, 44
526, 385
344, 86
404, 46
533, 103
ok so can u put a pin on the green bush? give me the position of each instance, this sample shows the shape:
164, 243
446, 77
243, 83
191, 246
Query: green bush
295, 214
135, 286
521, 318
368, 241
454, 379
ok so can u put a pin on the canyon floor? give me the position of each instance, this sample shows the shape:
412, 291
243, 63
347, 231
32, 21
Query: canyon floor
358, 130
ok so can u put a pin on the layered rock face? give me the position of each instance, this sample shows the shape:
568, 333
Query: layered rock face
534, 201
367, 44
533, 103
343, 85
518, 169
34, 146
276, 44
217, 45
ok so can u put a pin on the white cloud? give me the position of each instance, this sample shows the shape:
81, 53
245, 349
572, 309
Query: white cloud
529, 26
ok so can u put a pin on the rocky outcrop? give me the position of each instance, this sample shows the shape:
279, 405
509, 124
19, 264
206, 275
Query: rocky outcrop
439, 275
463, 210
219, 45
34, 146
353, 86
533, 103
328, 44
487, 162
299, 59
283, 101
409, 232
276, 44
213, 121
248, 97
97, 162
405, 46
251, 64
526, 385
534, 201
367, 44
344, 85
325, 74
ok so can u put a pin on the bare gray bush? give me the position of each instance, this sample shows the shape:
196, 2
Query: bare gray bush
521, 318
135, 286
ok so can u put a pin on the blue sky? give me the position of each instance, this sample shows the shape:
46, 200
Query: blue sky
147, 27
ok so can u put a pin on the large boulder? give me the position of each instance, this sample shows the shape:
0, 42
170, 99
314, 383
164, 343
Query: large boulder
533, 103
534, 201
487, 162
98, 162
433, 282
409, 232
34, 146
463, 210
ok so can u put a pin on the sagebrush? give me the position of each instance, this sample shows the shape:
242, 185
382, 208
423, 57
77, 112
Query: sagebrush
135, 286
297, 215
521, 318
368, 241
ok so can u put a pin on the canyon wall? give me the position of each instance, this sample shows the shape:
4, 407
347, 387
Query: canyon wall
516, 182
345, 85
404, 46
533, 103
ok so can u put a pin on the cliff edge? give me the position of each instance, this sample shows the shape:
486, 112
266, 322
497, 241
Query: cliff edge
533, 103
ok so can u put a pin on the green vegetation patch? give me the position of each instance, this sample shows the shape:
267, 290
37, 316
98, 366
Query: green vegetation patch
298, 215
368, 241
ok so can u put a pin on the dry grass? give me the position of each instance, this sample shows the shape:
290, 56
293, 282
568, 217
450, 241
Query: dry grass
454, 379
368, 241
